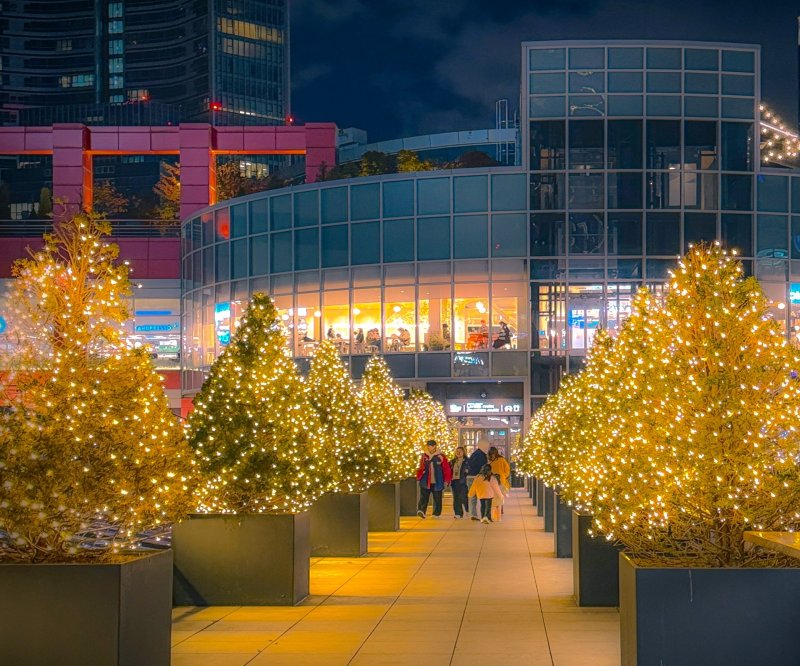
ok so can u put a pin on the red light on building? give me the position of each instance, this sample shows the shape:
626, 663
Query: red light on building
215, 106
290, 120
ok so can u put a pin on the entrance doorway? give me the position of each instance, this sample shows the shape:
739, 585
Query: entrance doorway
498, 434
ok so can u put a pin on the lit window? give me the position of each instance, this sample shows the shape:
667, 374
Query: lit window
115, 82
114, 27
115, 47
115, 65
64, 45
115, 10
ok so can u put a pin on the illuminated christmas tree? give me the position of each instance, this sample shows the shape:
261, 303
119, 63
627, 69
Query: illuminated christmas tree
90, 454
360, 461
429, 414
258, 440
711, 449
390, 419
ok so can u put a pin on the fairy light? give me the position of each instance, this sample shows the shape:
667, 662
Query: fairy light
778, 144
681, 432
346, 429
88, 442
391, 420
258, 439
432, 420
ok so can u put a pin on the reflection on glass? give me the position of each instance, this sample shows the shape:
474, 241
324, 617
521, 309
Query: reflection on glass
549, 314
586, 233
547, 144
663, 189
618, 304
583, 316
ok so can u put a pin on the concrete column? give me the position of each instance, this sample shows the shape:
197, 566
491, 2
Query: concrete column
320, 148
72, 169
198, 170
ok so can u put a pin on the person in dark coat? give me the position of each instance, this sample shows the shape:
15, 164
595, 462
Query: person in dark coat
433, 475
459, 467
476, 462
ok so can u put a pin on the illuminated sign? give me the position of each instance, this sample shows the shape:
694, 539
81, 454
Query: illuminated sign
794, 293
222, 319
469, 359
499, 406
3, 325
152, 328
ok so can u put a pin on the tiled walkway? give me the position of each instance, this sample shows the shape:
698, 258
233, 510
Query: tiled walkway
438, 592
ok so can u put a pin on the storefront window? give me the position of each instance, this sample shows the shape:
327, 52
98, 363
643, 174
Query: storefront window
336, 319
471, 317
583, 317
618, 304
400, 319
434, 317
509, 328
284, 306
306, 321
549, 317
367, 321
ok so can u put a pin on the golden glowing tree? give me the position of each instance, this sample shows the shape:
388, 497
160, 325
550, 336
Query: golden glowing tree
429, 415
392, 422
360, 462
90, 454
259, 442
708, 446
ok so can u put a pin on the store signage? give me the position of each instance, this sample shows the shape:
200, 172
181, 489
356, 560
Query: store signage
499, 406
3, 325
794, 293
153, 328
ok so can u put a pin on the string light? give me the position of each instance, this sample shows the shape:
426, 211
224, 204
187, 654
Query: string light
432, 422
259, 441
360, 462
681, 432
778, 144
91, 457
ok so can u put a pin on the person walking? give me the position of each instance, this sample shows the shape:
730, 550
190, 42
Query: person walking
459, 467
433, 474
486, 488
475, 463
500, 467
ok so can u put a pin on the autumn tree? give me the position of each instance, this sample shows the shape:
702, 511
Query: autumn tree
107, 199
168, 192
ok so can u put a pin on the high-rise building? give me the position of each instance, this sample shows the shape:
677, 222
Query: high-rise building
144, 61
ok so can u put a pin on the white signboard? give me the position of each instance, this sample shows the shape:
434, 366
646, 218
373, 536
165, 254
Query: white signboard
499, 406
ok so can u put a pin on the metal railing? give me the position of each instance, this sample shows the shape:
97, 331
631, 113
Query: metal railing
119, 228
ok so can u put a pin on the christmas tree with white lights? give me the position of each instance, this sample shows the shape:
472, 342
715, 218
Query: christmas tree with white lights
398, 433
430, 415
91, 456
708, 446
259, 441
332, 394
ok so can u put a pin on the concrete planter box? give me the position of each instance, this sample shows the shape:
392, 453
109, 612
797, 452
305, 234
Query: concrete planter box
409, 496
549, 510
384, 507
104, 613
595, 565
245, 560
708, 616
563, 528
539, 498
339, 524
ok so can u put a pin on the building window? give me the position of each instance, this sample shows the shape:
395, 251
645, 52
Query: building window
115, 65
115, 47
116, 82
114, 10
138, 95
64, 45
114, 27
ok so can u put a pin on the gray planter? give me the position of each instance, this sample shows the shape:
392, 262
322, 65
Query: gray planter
409, 496
339, 524
563, 528
595, 565
549, 510
246, 560
539, 502
104, 613
384, 507
713, 617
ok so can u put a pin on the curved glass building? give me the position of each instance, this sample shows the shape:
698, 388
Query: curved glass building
486, 285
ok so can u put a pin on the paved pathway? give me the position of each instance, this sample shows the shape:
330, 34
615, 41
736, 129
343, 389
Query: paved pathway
438, 592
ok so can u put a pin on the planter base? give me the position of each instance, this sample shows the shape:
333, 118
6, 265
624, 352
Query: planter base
712, 617
384, 507
563, 528
339, 524
549, 510
118, 614
595, 565
248, 560
409, 496
539, 501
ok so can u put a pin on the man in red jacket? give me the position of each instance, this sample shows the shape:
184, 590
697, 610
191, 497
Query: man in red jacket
433, 474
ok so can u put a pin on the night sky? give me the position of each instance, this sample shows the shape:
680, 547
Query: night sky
405, 67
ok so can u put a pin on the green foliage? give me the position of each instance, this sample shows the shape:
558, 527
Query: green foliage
374, 163
259, 441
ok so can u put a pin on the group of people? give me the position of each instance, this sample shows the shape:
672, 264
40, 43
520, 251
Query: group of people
481, 480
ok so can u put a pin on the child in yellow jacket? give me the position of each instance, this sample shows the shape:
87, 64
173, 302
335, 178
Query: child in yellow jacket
486, 488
